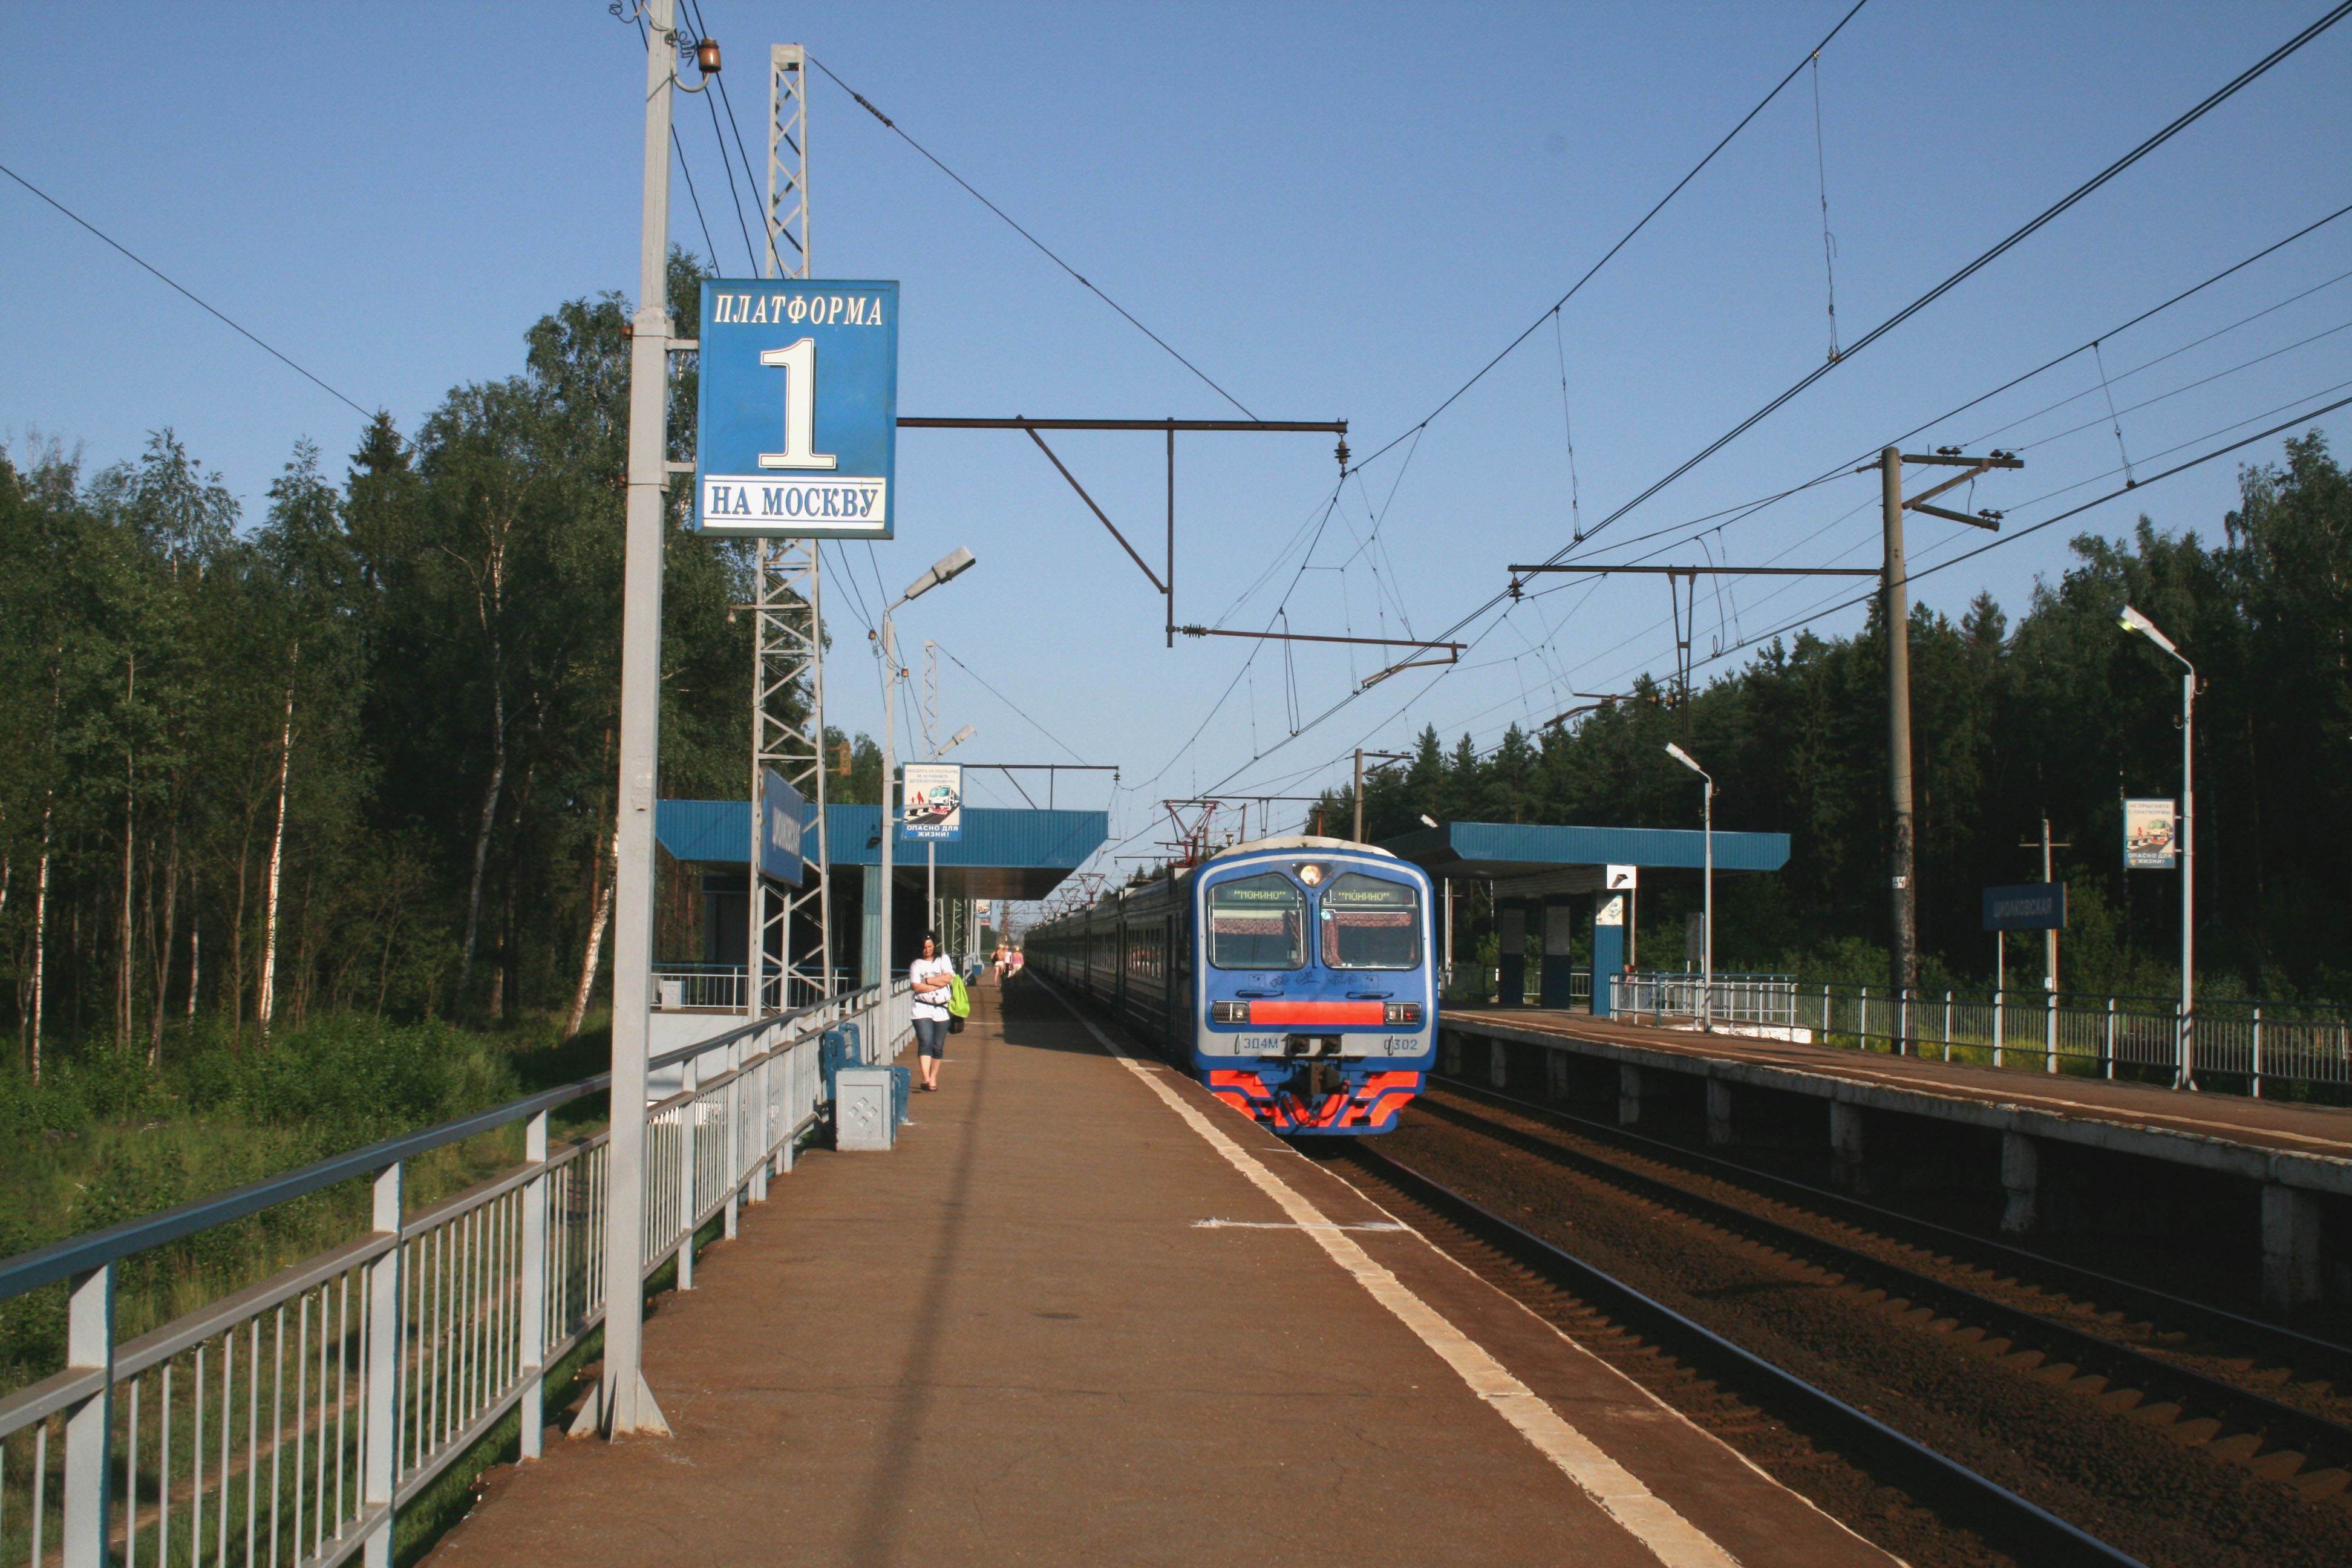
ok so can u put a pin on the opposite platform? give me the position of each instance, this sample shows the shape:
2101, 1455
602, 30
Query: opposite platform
1085, 1315
2301, 1144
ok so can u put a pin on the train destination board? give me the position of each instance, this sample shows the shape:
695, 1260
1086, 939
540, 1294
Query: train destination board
797, 431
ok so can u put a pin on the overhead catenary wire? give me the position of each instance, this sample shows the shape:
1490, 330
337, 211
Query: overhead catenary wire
2015, 238
179, 289
1044, 249
1624, 239
1985, 258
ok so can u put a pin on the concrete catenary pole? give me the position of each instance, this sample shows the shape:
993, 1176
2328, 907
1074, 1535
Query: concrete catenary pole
1902, 954
1360, 794
624, 1403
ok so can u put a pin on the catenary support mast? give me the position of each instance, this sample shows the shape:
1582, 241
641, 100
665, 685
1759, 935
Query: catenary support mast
624, 1403
792, 924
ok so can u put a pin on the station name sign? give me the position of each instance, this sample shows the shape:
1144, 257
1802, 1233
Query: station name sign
797, 427
2027, 906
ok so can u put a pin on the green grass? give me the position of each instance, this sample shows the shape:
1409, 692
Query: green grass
103, 1139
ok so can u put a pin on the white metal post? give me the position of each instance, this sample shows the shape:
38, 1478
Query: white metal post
2188, 1075
1707, 929
623, 1404
690, 1078
532, 1309
386, 1340
89, 1426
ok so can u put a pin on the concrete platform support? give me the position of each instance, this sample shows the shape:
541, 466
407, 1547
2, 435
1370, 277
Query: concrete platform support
1449, 1055
1845, 1145
1719, 1113
1555, 1074
2291, 1223
2021, 1178
1499, 1064
1629, 1094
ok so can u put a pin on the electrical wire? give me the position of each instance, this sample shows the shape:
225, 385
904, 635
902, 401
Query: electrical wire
184, 293
1627, 237
2016, 236
1043, 247
1008, 701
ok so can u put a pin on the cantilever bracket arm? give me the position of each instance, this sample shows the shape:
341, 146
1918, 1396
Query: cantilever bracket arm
1310, 637
1158, 586
1990, 519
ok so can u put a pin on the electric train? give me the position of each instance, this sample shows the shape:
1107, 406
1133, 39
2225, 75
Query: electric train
1291, 976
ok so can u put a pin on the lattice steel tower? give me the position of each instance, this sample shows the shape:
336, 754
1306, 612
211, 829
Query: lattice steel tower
790, 955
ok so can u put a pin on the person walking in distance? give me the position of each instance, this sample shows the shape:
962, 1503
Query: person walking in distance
933, 978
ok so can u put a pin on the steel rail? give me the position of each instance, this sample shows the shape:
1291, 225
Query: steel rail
2321, 1440
2041, 1536
2300, 1349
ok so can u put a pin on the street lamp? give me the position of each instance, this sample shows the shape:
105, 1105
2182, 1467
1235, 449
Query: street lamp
2185, 1072
946, 569
1706, 926
931, 847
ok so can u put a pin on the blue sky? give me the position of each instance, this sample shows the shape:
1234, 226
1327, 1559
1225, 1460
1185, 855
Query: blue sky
1335, 211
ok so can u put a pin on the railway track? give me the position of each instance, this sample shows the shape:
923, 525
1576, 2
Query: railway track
2240, 1415
2030, 1533
1955, 1395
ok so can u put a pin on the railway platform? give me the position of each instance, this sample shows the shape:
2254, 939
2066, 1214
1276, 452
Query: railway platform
1085, 1315
2055, 1151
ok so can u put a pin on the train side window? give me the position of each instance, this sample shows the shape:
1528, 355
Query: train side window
1371, 923
1258, 922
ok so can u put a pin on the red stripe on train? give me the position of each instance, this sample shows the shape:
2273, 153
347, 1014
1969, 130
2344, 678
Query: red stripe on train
1372, 1013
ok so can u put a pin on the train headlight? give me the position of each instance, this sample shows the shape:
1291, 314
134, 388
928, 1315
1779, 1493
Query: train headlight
1404, 1013
1229, 1012
1310, 874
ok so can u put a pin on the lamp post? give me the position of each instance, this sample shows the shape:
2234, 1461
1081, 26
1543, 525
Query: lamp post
2185, 1072
1706, 925
946, 569
931, 847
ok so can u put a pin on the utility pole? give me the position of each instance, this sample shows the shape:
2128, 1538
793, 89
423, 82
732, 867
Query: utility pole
1903, 976
624, 1403
1381, 759
1902, 954
2050, 937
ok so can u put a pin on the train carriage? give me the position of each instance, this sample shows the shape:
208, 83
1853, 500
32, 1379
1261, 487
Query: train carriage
1295, 977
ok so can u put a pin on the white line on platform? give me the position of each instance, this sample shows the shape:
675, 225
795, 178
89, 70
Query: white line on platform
1286, 1225
1648, 1518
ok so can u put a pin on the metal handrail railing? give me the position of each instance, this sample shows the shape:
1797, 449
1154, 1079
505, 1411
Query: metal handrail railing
295, 1418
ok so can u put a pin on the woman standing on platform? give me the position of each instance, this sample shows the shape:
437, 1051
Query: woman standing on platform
933, 978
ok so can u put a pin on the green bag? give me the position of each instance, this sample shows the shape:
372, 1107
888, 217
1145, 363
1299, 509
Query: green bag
959, 999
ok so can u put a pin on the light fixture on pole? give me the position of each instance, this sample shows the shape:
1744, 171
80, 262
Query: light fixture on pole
944, 570
2185, 1070
932, 848
1707, 923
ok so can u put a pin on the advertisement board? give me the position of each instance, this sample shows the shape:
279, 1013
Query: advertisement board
782, 815
2029, 906
934, 803
2150, 836
796, 428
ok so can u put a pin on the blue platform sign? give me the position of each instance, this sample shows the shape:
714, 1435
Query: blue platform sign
797, 431
782, 813
2029, 906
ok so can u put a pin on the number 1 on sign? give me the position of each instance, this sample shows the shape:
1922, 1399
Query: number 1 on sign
799, 364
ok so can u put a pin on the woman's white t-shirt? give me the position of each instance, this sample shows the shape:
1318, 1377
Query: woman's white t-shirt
924, 969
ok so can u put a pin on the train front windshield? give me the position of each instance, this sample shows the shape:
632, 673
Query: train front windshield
1258, 922
1371, 923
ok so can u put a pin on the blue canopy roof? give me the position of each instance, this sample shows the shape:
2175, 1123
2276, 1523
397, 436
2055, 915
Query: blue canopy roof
1004, 853
1548, 857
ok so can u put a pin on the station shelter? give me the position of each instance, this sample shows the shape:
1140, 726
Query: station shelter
1001, 853
1567, 879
